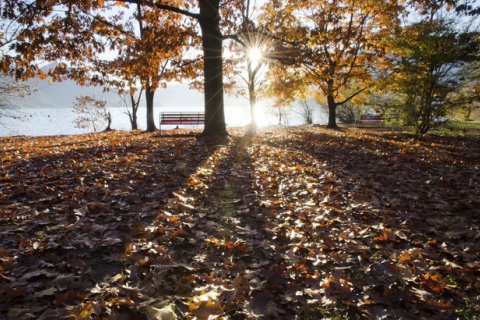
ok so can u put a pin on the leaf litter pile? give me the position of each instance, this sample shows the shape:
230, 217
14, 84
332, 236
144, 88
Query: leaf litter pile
301, 223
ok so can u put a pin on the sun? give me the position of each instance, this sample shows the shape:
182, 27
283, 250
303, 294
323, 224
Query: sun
255, 55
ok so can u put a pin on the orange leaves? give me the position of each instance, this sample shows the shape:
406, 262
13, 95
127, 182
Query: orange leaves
387, 236
404, 257
121, 4
7, 211
196, 183
338, 286
433, 282
95, 207
229, 247
129, 248
440, 304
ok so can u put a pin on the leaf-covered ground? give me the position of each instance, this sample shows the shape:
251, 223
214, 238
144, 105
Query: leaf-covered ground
298, 222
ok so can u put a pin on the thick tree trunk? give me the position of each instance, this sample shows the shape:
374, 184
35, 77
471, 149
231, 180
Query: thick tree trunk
149, 94
332, 113
213, 68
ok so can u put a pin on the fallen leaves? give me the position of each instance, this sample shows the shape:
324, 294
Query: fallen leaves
205, 306
386, 236
297, 221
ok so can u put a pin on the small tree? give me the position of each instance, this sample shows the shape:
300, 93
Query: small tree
131, 104
281, 113
90, 112
10, 92
306, 111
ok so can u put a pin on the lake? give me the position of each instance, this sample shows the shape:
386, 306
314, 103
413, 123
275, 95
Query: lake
59, 121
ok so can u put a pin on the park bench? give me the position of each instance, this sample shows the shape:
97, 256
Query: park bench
180, 118
370, 121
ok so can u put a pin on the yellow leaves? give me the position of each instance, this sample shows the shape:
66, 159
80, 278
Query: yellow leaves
196, 183
165, 313
87, 311
205, 306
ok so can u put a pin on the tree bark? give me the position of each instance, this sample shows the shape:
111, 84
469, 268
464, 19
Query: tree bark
332, 113
109, 121
133, 116
149, 95
213, 68
252, 95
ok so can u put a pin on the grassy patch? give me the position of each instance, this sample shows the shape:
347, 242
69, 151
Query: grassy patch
458, 128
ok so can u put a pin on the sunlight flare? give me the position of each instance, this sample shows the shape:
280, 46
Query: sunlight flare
255, 55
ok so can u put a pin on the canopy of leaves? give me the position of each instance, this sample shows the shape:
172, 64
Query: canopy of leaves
340, 42
427, 59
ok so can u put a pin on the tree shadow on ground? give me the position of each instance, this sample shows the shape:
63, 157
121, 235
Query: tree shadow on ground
69, 216
301, 223
213, 237
300, 226
403, 212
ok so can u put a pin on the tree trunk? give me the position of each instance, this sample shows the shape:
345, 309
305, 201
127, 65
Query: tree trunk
134, 120
253, 116
332, 113
133, 116
252, 97
468, 114
109, 122
213, 68
93, 124
149, 94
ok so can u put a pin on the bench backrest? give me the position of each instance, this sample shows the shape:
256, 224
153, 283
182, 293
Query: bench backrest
366, 117
182, 118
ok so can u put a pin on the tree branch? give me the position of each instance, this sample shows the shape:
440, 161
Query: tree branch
235, 38
351, 97
157, 5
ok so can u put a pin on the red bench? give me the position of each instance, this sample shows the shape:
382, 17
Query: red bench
370, 121
175, 118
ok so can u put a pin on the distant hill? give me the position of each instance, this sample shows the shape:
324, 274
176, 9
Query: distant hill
62, 95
